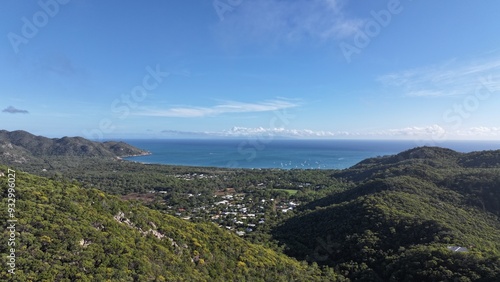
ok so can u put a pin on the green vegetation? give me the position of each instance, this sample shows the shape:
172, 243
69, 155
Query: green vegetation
23, 147
67, 233
397, 224
289, 191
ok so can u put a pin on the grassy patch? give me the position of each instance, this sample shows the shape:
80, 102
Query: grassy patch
289, 191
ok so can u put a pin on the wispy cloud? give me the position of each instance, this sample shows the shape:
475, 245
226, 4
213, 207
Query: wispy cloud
223, 108
289, 21
449, 79
57, 63
13, 110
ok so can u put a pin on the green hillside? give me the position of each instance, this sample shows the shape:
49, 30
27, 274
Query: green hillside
22, 147
400, 219
67, 233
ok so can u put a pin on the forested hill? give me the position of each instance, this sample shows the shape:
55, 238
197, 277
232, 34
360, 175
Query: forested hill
434, 157
67, 233
405, 218
21, 146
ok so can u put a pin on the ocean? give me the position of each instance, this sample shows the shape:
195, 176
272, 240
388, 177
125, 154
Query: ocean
281, 153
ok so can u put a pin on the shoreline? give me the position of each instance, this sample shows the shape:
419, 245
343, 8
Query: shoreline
146, 153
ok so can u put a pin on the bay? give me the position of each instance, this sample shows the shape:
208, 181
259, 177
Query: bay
282, 153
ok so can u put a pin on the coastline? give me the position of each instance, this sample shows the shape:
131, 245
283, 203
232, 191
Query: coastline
145, 153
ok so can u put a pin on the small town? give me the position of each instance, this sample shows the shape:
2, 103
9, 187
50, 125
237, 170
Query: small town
240, 212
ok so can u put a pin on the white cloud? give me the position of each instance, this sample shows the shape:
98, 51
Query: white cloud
480, 131
432, 132
438, 133
244, 131
223, 108
449, 79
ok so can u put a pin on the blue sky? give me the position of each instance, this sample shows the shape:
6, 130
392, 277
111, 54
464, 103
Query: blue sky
304, 68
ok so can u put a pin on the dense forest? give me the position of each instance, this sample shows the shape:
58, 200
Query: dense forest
403, 219
426, 214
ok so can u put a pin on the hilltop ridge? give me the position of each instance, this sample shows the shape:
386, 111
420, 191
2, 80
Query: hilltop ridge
438, 156
20, 146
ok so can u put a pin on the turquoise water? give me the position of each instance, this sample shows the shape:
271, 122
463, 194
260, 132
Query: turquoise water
284, 154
